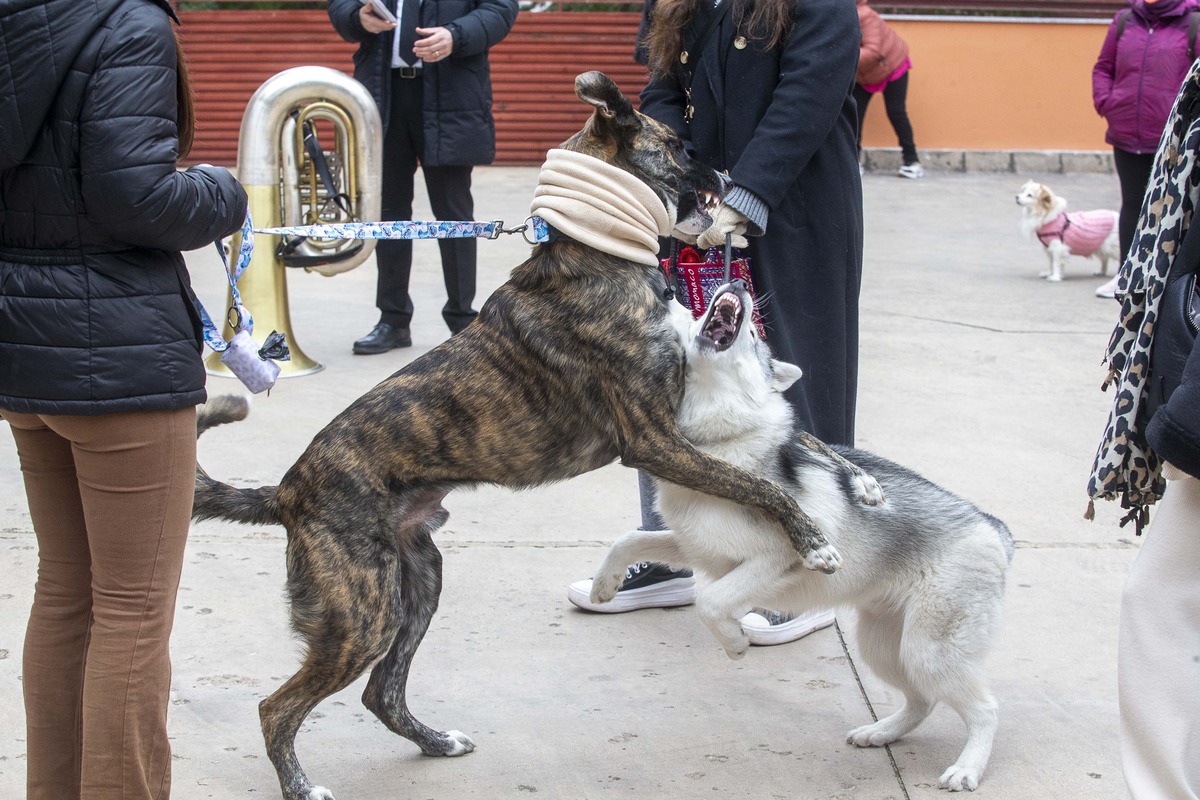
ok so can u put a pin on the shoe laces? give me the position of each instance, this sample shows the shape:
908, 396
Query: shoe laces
634, 569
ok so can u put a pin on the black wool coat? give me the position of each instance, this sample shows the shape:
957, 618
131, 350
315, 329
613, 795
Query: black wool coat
782, 123
97, 313
457, 121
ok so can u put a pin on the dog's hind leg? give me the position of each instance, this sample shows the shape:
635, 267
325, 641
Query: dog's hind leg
420, 587
879, 634
943, 650
284, 711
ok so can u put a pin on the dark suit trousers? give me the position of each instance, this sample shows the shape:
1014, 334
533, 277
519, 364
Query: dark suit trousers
450, 198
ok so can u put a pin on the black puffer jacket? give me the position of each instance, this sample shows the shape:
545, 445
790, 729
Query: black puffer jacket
457, 121
97, 314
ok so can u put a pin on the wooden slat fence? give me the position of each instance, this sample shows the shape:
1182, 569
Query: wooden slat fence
231, 52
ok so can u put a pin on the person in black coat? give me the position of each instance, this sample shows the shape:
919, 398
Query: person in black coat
100, 373
429, 76
762, 90
767, 98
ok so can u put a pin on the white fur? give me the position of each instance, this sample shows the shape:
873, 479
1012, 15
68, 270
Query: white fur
924, 627
1039, 205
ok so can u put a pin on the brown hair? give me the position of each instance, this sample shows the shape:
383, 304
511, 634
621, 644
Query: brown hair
185, 116
767, 24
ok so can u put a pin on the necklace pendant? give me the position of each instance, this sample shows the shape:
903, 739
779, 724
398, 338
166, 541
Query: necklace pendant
683, 57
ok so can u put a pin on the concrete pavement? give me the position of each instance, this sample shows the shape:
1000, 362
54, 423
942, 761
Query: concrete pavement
973, 371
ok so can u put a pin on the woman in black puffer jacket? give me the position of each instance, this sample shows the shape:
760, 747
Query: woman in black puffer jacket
100, 372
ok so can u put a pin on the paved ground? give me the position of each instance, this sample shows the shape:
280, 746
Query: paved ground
974, 372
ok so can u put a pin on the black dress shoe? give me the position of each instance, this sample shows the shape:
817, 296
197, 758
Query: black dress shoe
383, 337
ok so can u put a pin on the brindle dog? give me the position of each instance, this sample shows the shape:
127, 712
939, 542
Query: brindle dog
572, 363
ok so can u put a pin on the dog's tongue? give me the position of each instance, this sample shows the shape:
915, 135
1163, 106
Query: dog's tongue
722, 325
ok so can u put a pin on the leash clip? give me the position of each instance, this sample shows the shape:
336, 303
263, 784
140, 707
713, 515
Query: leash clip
530, 225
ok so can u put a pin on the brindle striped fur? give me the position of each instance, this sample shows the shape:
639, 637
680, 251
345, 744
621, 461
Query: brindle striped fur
571, 364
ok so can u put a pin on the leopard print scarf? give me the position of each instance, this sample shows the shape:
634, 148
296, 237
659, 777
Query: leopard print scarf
1125, 466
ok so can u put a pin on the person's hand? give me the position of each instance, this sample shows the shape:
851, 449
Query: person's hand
372, 23
433, 44
726, 219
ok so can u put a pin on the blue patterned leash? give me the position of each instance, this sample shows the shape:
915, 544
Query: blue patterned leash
239, 318
534, 230
255, 366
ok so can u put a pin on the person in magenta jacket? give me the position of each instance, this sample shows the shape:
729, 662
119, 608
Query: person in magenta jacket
1134, 84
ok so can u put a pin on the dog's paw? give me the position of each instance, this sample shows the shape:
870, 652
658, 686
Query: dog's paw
1054, 278
874, 735
824, 558
868, 489
736, 645
605, 587
958, 778
319, 793
458, 744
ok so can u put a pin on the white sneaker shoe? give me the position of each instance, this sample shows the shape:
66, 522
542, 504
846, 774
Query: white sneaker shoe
1108, 288
914, 170
773, 627
645, 586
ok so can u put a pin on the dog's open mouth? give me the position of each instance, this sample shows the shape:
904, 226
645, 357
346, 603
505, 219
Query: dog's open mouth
724, 320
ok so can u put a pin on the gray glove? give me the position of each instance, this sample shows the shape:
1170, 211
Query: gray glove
726, 219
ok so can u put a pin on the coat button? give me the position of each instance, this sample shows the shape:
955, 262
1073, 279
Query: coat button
740, 43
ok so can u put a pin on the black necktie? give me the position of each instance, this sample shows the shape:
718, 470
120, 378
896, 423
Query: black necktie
409, 18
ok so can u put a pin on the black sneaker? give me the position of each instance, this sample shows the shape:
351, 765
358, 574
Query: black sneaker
646, 586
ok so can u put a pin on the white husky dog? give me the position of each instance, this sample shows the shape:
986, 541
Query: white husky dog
924, 569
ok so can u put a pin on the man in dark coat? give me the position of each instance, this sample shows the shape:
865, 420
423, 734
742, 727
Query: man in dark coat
429, 75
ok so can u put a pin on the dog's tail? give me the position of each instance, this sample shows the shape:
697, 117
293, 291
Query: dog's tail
221, 409
217, 500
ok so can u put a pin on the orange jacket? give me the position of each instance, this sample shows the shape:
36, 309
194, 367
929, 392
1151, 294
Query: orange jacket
881, 50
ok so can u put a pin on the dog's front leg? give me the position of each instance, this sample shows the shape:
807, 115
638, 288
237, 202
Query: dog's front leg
658, 546
669, 456
868, 489
722, 603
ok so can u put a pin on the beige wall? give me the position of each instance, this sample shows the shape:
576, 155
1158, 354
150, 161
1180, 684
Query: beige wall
997, 86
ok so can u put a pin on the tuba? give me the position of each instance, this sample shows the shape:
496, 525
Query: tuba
292, 179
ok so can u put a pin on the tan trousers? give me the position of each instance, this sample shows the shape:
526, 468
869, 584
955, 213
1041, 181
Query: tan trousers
1158, 653
111, 498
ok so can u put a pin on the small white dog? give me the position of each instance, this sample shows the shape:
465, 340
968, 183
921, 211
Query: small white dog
925, 569
1078, 233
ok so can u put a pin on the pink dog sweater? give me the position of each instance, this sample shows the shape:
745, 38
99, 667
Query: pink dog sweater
1081, 231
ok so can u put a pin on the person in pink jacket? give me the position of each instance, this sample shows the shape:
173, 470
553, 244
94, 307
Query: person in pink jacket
1137, 76
883, 66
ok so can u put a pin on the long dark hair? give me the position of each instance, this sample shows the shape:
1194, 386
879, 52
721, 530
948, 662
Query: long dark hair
186, 115
767, 23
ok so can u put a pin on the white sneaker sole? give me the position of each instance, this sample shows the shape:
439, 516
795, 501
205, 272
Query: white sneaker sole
764, 634
668, 594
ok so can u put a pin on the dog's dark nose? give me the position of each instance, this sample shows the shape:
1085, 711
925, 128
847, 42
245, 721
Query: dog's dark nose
738, 283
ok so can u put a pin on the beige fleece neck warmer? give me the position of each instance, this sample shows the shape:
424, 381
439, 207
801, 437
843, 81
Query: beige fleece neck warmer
600, 205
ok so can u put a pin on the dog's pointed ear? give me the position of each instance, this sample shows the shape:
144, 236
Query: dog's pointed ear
784, 374
599, 91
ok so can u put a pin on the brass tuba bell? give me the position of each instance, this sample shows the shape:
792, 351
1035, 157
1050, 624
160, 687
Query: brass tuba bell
291, 179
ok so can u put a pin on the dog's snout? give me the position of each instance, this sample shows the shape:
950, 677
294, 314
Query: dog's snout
738, 283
